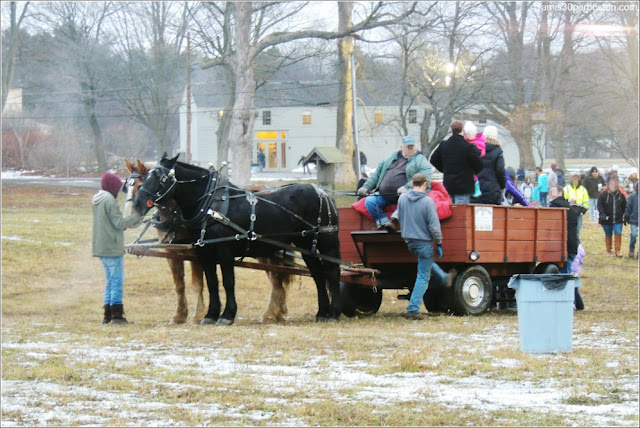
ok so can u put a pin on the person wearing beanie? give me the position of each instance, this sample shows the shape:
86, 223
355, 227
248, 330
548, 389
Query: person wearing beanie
631, 181
492, 178
108, 243
594, 183
477, 139
393, 178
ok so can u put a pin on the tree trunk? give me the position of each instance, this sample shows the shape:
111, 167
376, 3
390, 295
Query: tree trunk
525, 147
222, 133
98, 145
242, 115
344, 172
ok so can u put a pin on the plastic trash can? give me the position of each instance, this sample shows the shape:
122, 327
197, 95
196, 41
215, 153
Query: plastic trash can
545, 311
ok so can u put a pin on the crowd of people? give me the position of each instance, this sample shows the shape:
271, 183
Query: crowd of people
474, 171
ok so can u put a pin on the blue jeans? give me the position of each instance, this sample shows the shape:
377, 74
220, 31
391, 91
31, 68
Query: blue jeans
461, 199
543, 199
439, 275
593, 210
375, 204
612, 229
423, 250
579, 227
114, 272
634, 236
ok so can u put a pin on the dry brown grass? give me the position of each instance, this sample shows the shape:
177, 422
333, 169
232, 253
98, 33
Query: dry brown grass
64, 367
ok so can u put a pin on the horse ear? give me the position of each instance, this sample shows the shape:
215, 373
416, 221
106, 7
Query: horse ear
129, 165
174, 160
142, 169
164, 155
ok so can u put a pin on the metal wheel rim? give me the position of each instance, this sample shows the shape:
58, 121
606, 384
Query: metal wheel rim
473, 291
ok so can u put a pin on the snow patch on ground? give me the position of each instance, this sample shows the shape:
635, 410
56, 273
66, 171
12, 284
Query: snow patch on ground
46, 403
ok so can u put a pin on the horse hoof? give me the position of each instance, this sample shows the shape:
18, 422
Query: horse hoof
208, 321
224, 322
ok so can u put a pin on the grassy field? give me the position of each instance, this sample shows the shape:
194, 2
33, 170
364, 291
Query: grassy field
60, 366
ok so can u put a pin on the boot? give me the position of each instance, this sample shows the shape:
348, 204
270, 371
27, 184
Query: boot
107, 314
117, 315
607, 241
618, 243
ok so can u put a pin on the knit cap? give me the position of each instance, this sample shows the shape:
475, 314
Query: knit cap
111, 183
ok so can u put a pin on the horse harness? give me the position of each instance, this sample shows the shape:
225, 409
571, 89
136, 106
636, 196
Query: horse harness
214, 205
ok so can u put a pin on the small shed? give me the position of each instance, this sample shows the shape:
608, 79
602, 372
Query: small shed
325, 158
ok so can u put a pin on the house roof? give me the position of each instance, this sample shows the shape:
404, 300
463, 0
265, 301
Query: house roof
327, 154
209, 89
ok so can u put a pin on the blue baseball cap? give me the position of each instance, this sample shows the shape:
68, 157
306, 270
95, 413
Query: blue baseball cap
408, 141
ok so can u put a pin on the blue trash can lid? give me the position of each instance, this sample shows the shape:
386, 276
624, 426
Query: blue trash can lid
553, 281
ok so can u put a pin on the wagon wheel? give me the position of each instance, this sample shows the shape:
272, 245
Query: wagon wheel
471, 292
435, 299
359, 300
546, 268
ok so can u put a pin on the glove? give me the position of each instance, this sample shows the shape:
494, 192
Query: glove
401, 190
625, 220
363, 191
439, 250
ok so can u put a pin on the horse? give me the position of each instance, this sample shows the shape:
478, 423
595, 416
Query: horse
234, 222
276, 308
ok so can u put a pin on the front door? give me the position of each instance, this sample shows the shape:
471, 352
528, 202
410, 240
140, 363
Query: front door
274, 145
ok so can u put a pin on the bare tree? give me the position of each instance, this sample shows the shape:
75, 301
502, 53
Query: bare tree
151, 38
81, 34
16, 18
255, 27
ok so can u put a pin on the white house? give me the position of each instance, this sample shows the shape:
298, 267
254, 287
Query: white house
294, 117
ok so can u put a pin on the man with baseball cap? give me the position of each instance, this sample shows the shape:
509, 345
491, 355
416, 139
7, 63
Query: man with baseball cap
391, 179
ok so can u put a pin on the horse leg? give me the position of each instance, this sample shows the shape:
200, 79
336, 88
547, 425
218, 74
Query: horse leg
229, 283
197, 284
315, 267
177, 270
277, 307
208, 263
330, 246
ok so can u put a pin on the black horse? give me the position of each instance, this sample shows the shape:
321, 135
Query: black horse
225, 221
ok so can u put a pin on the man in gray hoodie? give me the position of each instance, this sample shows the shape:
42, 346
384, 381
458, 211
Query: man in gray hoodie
419, 226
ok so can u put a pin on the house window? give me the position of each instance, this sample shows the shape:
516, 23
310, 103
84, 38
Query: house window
306, 118
377, 117
266, 117
413, 116
483, 116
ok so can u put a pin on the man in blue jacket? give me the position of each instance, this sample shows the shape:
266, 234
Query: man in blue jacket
391, 179
420, 226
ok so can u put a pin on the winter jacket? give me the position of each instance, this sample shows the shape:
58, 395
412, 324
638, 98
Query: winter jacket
631, 212
492, 177
418, 217
527, 191
514, 193
591, 184
611, 207
543, 183
109, 226
572, 223
560, 176
458, 161
553, 179
481, 143
579, 193
438, 193
577, 261
415, 164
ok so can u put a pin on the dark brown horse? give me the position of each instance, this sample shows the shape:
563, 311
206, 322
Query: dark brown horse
277, 307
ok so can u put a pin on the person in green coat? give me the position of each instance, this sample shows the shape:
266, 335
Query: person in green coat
392, 178
108, 243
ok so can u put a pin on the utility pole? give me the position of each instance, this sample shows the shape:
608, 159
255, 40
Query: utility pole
188, 154
355, 115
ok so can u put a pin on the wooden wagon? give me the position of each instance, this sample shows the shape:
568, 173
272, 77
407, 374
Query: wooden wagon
485, 244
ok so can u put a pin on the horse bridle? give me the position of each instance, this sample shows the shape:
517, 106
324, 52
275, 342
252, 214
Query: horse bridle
167, 180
